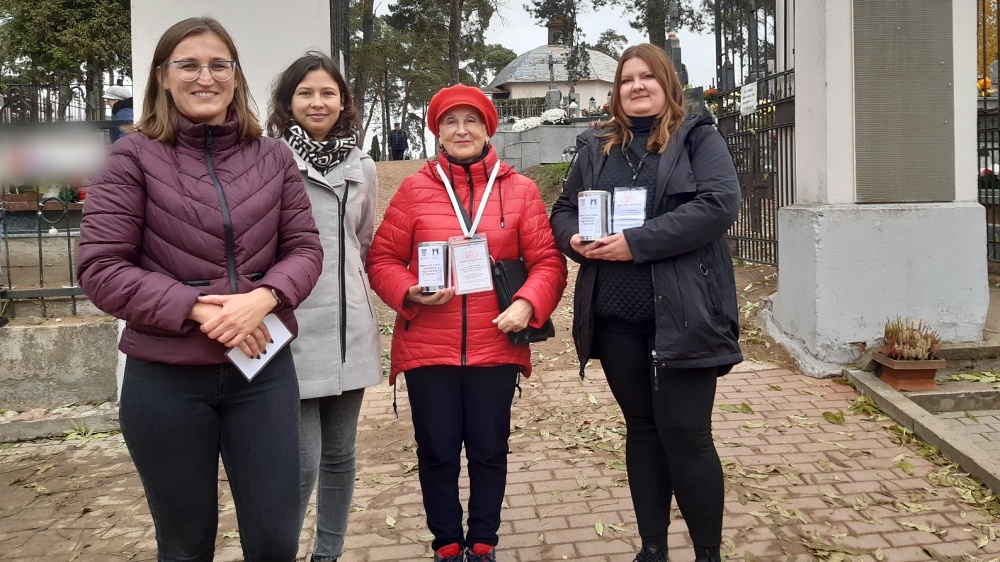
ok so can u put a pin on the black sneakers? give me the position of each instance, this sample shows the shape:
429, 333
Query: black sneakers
652, 554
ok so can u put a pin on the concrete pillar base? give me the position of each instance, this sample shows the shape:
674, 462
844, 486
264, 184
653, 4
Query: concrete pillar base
846, 269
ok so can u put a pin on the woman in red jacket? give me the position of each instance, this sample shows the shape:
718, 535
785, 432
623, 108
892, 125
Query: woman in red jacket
461, 367
195, 230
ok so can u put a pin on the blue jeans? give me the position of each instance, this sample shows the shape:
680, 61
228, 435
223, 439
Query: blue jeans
327, 433
452, 406
178, 419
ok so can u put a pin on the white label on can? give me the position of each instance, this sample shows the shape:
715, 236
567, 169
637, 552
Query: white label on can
592, 213
431, 260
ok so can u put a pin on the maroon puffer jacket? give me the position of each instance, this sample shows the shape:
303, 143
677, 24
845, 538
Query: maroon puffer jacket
154, 237
461, 331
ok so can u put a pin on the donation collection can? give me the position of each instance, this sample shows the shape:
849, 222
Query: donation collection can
594, 214
432, 267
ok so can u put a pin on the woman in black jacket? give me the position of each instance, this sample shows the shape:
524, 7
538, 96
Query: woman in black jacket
658, 295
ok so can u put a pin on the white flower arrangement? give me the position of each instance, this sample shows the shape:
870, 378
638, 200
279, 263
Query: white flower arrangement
525, 124
554, 117
549, 117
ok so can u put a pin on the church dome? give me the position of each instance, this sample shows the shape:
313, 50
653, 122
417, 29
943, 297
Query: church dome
533, 66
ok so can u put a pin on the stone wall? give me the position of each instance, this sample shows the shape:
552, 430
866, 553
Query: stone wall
544, 144
70, 360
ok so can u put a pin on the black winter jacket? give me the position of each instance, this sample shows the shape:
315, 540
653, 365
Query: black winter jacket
696, 200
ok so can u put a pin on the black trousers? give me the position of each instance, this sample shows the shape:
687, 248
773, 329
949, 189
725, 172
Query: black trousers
669, 448
178, 419
451, 406
398, 154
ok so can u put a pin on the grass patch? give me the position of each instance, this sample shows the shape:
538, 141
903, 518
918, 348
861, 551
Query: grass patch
549, 179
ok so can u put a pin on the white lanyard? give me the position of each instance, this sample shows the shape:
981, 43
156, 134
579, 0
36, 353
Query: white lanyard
469, 232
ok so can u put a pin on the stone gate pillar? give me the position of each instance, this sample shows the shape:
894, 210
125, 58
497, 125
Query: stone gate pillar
887, 221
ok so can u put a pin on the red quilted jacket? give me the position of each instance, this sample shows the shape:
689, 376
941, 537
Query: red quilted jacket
461, 332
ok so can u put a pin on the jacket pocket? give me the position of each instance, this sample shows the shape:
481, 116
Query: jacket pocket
711, 269
367, 291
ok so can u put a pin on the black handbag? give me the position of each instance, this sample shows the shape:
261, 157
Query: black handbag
508, 277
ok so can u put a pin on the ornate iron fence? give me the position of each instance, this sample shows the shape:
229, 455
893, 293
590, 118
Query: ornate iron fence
38, 250
40, 216
988, 123
763, 148
752, 40
46, 103
519, 108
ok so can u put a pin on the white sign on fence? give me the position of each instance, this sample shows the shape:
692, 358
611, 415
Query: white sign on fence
748, 99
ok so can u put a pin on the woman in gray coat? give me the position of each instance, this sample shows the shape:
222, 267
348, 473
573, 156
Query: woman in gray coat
337, 351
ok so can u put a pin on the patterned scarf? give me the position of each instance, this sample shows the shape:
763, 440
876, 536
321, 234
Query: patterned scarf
321, 155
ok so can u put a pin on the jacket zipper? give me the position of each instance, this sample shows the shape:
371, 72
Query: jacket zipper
343, 279
465, 301
472, 194
465, 327
656, 356
227, 221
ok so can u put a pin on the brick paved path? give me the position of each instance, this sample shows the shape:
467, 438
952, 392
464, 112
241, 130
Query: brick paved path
982, 427
799, 488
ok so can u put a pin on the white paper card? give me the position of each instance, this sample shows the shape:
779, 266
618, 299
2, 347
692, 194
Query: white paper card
629, 208
470, 262
748, 99
251, 366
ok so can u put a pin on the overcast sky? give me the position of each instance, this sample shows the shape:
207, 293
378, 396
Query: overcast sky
513, 28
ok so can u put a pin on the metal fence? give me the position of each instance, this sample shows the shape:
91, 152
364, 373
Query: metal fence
763, 148
988, 123
519, 108
39, 220
46, 103
752, 47
39, 242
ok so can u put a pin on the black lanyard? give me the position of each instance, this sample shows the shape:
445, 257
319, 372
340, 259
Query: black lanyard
635, 170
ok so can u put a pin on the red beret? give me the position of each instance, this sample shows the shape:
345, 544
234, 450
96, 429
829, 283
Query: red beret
454, 96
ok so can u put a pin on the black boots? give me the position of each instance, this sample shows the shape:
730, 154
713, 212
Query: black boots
706, 555
652, 554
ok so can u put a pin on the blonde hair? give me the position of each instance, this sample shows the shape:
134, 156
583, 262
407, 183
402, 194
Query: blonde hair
616, 131
159, 114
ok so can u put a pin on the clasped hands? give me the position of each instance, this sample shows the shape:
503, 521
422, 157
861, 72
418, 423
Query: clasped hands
514, 319
236, 320
610, 248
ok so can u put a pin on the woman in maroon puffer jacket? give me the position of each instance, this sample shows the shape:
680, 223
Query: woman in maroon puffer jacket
461, 367
195, 230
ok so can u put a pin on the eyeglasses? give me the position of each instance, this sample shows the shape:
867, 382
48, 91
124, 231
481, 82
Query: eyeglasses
189, 70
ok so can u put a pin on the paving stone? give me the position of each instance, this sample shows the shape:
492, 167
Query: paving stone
94, 507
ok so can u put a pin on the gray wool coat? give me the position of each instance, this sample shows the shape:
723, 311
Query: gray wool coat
338, 345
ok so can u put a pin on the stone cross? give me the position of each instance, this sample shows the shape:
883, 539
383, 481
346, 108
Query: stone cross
553, 96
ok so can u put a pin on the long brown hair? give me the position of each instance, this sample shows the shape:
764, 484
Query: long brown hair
159, 114
279, 106
669, 119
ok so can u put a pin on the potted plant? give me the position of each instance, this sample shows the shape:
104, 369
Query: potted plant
908, 355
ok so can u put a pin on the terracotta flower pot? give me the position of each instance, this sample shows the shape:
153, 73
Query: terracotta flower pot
912, 374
